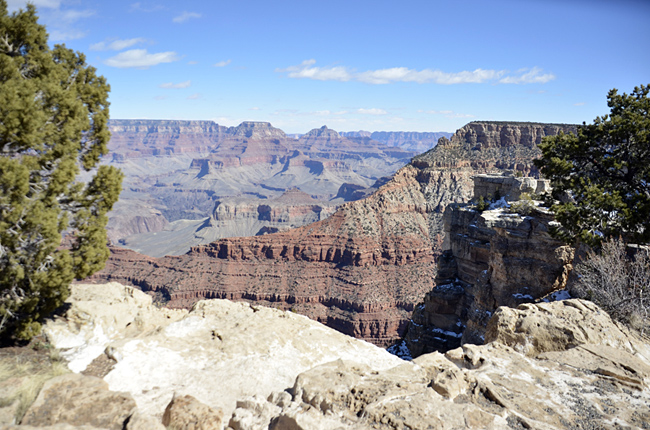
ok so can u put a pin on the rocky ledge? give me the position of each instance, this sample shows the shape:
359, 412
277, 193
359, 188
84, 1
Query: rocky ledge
561, 365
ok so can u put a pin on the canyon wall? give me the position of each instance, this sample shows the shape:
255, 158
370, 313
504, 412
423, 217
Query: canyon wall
362, 270
409, 140
492, 258
178, 171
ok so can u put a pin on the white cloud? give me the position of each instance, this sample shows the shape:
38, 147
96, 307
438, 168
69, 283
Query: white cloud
308, 70
372, 111
61, 36
17, 4
116, 45
317, 73
402, 74
141, 58
528, 76
194, 96
185, 84
579, 104
186, 16
447, 113
222, 63
75, 15
254, 108
192, 63
139, 7
160, 97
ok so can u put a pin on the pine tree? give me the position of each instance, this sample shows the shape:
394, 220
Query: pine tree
602, 174
53, 125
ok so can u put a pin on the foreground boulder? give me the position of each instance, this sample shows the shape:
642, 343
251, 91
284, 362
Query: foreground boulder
562, 365
577, 382
218, 352
79, 400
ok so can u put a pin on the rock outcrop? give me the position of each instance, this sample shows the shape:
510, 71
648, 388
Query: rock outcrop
589, 385
218, 352
493, 258
561, 365
362, 270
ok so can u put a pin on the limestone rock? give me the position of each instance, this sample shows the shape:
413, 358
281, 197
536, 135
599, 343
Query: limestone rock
220, 352
187, 413
492, 258
592, 385
575, 322
100, 314
52, 427
138, 421
79, 400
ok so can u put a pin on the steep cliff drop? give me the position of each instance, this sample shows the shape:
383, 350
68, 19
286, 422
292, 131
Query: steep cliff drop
501, 256
360, 271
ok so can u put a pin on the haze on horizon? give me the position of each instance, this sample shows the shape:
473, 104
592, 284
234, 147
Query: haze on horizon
362, 65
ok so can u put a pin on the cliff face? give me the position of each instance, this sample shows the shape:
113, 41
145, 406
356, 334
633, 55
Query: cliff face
491, 259
409, 140
141, 138
359, 271
362, 270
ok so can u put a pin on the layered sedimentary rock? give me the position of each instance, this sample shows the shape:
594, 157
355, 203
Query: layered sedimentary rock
233, 217
182, 168
562, 365
142, 138
409, 140
362, 270
492, 258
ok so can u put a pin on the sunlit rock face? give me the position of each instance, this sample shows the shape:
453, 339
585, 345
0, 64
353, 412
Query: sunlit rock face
497, 257
559, 365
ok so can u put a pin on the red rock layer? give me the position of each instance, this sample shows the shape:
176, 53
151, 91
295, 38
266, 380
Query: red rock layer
359, 271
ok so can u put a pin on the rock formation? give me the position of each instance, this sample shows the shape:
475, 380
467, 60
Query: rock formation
362, 270
223, 365
493, 258
409, 140
233, 217
178, 170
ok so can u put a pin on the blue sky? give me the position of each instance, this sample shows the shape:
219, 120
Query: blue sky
358, 65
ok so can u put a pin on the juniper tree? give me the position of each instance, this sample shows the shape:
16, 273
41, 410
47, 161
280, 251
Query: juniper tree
605, 172
53, 125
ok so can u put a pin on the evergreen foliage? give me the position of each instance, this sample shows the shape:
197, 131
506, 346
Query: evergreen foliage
53, 124
605, 172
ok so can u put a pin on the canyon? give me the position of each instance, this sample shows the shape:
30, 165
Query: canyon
180, 176
362, 270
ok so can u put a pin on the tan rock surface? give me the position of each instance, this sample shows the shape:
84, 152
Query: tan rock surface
589, 386
187, 413
79, 400
219, 352
528, 330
